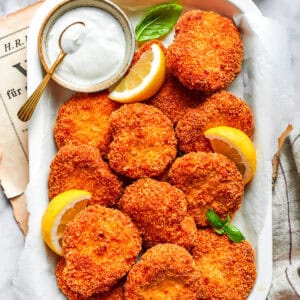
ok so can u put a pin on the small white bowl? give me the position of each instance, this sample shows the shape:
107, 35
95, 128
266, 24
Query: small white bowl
110, 8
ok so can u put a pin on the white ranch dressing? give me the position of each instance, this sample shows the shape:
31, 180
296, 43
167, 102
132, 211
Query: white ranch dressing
73, 38
96, 51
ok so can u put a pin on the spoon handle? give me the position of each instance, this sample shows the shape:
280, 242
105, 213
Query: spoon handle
25, 112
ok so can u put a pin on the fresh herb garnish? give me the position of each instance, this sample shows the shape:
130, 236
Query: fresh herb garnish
234, 233
157, 21
213, 219
224, 227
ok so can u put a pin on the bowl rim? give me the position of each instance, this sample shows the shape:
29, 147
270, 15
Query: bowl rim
129, 38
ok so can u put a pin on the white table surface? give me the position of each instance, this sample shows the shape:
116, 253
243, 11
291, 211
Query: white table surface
11, 239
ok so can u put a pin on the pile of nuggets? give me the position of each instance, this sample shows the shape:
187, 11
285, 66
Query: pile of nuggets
153, 175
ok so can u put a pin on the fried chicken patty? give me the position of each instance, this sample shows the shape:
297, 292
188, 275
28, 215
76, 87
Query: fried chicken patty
207, 51
159, 210
100, 245
174, 99
227, 269
219, 109
209, 180
166, 271
115, 293
84, 119
81, 167
144, 141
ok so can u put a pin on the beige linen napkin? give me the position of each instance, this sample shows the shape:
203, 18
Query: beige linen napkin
286, 223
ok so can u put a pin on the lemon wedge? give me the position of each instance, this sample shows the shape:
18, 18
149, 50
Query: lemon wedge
237, 146
144, 78
61, 210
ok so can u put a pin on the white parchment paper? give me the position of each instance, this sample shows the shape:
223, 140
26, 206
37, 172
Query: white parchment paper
265, 83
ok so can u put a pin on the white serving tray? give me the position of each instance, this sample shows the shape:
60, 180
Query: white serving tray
36, 279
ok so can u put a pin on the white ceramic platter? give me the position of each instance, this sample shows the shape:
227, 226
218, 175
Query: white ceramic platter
254, 218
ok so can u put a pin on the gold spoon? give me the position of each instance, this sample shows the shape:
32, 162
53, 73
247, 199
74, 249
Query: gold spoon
25, 112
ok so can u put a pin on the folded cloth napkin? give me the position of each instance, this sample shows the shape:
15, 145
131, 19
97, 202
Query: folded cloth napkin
286, 223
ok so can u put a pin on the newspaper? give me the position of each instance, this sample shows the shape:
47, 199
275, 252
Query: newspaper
13, 93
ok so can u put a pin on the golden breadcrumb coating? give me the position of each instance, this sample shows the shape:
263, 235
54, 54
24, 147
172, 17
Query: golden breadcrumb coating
84, 119
166, 271
174, 99
144, 141
227, 268
219, 109
100, 245
115, 293
159, 210
145, 47
207, 51
209, 180
81, 167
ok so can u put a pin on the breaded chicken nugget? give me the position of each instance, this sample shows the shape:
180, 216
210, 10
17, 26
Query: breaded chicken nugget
227, 269
207, 51
100, 245
115, 293
144, 141
182, 234
209, 180
145, 47
81, 167
219, 109
166, 271
159, 210
83, 119
174, 99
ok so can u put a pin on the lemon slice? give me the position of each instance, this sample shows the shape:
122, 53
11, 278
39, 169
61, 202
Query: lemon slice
144, 78
237, 146
61, 210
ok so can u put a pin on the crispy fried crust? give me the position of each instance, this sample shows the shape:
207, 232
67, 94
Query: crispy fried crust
174, 99
209, 180
144, 142
207, 51
166, 270
83, 119
227, 269
81, 167
115, 293
159, 210
145, 47
100, 245
219, 109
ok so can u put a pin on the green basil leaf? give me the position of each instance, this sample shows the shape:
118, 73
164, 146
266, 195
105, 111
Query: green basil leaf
157, 21
227, 220
234, 233
213, 219
220, 231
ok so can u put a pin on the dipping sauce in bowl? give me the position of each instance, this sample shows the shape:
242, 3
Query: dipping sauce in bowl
98, 52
